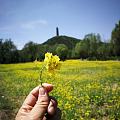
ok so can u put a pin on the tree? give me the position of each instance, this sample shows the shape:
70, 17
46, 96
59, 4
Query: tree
42, 49
62, 51
81, 49
8, 51
1, 43
115, 39
29, 52
87, 48
93, 41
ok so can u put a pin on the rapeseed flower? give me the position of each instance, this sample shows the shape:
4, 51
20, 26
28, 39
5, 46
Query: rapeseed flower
51, 62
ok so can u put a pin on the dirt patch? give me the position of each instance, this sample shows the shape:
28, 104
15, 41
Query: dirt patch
6, 115
3, 116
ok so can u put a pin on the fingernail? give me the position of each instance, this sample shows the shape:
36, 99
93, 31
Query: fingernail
42, 91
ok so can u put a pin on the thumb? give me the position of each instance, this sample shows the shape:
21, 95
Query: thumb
41, 105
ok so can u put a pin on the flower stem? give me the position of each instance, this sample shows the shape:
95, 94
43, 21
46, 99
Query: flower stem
40, 75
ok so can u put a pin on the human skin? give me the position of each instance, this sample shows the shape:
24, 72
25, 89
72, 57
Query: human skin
37, 104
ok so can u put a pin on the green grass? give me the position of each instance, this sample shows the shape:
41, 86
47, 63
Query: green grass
85, 90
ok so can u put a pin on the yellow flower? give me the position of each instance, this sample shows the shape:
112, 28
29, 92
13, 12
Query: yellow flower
51, 62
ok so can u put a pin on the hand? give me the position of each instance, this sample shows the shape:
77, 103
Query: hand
37, 104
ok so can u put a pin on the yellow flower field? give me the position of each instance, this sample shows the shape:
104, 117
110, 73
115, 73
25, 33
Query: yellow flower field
85, 90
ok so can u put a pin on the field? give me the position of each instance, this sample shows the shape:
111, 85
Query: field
85, 90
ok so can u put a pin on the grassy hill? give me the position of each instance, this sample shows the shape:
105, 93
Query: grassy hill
70, 42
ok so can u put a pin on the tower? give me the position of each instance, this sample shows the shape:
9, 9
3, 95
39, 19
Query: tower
57, 31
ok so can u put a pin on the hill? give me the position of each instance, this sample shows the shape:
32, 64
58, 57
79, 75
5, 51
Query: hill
70, 42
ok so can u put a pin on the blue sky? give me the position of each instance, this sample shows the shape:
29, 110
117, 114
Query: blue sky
36, 20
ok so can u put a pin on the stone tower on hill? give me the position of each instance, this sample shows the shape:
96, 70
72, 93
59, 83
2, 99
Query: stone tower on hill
57, 31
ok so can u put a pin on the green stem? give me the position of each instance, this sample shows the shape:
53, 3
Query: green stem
40, 75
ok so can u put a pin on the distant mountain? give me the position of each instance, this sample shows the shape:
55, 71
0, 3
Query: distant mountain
70, 42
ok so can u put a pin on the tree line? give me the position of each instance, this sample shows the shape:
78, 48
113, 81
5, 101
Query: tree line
91, 47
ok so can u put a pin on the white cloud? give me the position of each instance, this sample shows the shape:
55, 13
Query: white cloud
33, 24
6, 28
24, 25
